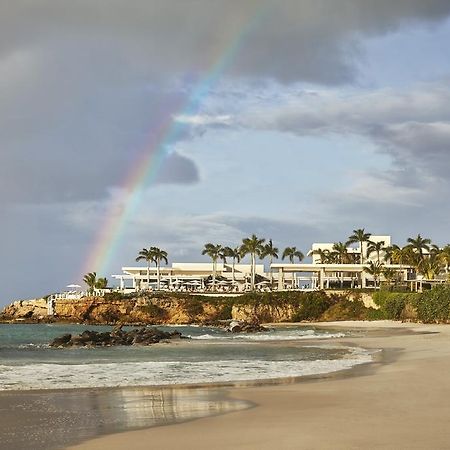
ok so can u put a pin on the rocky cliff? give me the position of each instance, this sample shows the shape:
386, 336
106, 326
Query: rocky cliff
101, 310
176, 309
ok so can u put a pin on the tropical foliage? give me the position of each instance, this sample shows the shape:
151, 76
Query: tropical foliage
215, 252
254, 247
359, 236
153, 255
292, 253
235, 254
271, 252
93, 282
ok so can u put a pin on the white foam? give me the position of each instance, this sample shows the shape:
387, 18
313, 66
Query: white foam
55, 376
282, 336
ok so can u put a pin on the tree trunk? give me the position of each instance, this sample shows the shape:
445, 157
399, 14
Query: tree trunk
270, 272
158, 275
214, 274
253, 271
148, 275
232, 270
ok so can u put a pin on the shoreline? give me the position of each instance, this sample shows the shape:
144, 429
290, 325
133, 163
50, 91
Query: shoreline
195, 400
382, 402
227, 395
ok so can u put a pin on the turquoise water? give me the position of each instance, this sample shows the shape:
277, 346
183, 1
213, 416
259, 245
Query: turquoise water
210, 356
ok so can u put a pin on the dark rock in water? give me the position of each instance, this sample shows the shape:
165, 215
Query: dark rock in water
245, 327
61, 340
137, 336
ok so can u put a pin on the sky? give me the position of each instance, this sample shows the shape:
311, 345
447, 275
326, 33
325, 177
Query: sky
297, 120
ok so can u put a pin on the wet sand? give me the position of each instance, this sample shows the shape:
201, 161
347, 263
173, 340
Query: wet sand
43, 420
400, 402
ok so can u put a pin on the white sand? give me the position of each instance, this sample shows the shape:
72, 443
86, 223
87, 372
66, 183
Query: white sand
403, 403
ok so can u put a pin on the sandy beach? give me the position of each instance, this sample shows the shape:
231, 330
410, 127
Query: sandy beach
398, 402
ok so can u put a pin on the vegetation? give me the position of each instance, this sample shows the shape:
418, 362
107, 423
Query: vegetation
155, 255
154, 311
359, 236
291, 253
434, 306
93, 282
214, 251
252, 246
272, 252
234, 253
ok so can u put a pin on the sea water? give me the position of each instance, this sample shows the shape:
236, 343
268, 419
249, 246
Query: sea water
211, 356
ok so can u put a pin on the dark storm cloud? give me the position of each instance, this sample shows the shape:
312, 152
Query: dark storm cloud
82, 84
45, 182
295, 40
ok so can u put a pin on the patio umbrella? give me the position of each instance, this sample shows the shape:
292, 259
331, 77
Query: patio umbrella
73, 286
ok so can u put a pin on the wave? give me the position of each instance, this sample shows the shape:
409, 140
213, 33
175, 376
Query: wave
282, 336
154, 373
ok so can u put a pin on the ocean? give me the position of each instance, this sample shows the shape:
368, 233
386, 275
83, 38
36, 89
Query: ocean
211, 356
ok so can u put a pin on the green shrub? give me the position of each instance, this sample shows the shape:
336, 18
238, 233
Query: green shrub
434, 305
112, 296
346, 309
394, 305
224, 312
193, 307
312, 305
154, 311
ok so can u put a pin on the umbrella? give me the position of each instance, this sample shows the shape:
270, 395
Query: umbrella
73, 286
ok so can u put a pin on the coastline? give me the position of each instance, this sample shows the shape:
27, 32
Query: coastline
397, 402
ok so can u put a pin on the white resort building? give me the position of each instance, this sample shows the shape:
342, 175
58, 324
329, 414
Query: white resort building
348, 272
188, 276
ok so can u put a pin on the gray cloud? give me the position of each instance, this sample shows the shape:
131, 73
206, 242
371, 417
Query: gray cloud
35, 180
85, 86
178, 169
300, 40
411, 126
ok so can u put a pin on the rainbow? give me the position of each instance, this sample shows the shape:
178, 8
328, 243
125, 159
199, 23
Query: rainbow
146, 167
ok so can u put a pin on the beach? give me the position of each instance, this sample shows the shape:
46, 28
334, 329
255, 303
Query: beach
398, 402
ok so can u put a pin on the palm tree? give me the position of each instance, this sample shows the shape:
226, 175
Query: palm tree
430, 267
158, 256
445, 257
272, 252
101, 283
91, 280
376, 247
292, 253
235, 254
341, 251
389, 274
252, 246
324, 255
342, 256
214, 251
419, 244
359, 236
375, 269
146, 254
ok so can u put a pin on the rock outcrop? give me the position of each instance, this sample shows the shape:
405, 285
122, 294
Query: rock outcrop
137, 336
236, 326
99, 310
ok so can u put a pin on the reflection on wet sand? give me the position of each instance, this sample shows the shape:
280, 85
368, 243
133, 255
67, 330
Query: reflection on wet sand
47, 420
